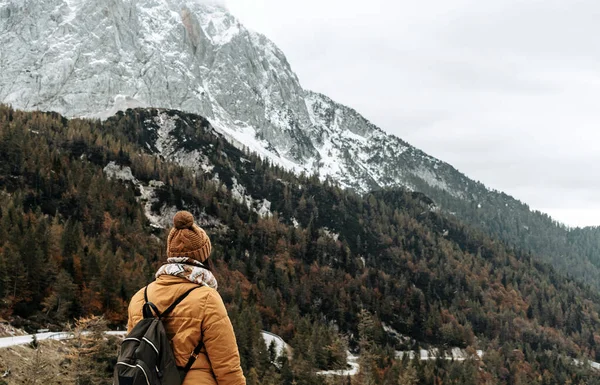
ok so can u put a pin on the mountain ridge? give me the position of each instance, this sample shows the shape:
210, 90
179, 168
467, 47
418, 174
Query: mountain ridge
94, 58
232, 71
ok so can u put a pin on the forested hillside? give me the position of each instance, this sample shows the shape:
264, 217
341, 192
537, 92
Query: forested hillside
200, 58
322, 267
575, 252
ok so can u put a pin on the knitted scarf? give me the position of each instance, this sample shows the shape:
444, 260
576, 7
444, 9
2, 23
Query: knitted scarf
190, 269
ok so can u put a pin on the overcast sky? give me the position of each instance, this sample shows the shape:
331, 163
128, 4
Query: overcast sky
506, 91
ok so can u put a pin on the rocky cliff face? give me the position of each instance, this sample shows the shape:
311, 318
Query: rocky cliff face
83, 57
92, 58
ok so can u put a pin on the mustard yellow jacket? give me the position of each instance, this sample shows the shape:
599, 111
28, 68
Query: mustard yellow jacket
201, 315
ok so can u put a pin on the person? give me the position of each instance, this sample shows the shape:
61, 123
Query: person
202, 315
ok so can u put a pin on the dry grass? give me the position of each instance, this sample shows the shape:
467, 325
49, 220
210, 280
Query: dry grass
84, 359
6, 330
44, 365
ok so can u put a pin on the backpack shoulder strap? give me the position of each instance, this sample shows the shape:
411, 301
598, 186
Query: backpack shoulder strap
193, 357
198, 347
149, 307
177, 302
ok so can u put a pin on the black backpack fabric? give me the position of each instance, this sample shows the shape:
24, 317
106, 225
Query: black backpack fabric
146, 357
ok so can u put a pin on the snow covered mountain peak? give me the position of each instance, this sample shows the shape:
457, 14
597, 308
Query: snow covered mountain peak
94, 58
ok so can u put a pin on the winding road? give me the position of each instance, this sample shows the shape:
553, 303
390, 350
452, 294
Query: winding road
6, 342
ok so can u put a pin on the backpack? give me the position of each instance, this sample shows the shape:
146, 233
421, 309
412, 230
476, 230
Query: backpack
146, 357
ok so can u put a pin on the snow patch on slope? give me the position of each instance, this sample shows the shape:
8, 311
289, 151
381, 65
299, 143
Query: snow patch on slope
333, 235
168, 145
261, 207
121, 103
264, 209
238, 192
113, 170
245, 137
147, 195
454, 354
220, 26
280, 346
431, 178
353, 370
161, 220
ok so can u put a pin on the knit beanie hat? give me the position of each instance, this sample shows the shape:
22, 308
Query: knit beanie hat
187, 239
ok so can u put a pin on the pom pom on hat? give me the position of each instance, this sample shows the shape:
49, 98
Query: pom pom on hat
183, 220
186, 239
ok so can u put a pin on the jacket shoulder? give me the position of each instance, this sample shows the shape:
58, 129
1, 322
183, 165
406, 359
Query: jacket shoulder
137, 298
215, 309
